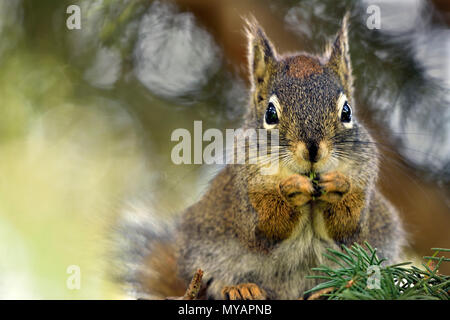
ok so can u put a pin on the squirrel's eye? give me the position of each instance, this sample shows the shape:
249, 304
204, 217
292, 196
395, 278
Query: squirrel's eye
271, 116
346, 114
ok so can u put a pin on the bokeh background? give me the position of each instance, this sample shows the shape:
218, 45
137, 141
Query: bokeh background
86, 117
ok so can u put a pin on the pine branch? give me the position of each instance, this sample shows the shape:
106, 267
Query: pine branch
361, 275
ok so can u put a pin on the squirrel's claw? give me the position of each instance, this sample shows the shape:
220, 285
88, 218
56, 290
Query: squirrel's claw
333, 186
243, 291
296, 189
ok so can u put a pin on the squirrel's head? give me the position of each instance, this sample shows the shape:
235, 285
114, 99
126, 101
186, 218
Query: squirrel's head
307, 98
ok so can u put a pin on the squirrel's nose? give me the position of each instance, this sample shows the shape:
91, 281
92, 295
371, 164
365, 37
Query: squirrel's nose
313, 148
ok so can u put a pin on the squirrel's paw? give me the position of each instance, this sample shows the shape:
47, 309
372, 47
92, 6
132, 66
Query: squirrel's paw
297, 190
243, 291
333, 186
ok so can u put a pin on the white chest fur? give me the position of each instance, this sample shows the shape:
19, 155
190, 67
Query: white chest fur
282, 272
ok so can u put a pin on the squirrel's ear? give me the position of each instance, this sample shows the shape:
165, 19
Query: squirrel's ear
339, 57
261, 53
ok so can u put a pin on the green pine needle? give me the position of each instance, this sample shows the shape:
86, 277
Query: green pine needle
351, 276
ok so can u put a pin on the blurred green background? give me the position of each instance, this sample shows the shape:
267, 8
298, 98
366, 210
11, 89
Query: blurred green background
86, 117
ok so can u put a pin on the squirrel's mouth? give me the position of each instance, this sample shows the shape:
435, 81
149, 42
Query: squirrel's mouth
304, 167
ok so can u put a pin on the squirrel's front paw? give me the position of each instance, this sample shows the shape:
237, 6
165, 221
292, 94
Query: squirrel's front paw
297, 190
243, 291
333, 186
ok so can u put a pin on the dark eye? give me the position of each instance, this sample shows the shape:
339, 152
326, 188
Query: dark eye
346, 114
271, 114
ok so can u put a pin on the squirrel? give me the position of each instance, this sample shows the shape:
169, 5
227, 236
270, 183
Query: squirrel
257, 236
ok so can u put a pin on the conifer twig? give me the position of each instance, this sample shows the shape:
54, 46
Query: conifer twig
195, 286
354, 276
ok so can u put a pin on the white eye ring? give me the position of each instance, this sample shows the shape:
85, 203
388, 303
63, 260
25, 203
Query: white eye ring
340, 104
272, 100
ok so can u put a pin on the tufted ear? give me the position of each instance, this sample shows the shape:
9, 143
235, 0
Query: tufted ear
339, 57
261, 53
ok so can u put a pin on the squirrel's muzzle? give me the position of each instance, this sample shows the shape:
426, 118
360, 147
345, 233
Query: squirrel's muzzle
311, 151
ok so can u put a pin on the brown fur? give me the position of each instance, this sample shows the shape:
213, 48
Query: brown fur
163, 281
302, 67
276, 218
342, 218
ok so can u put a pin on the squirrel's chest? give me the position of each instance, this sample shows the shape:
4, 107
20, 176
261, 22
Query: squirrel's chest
283, 271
